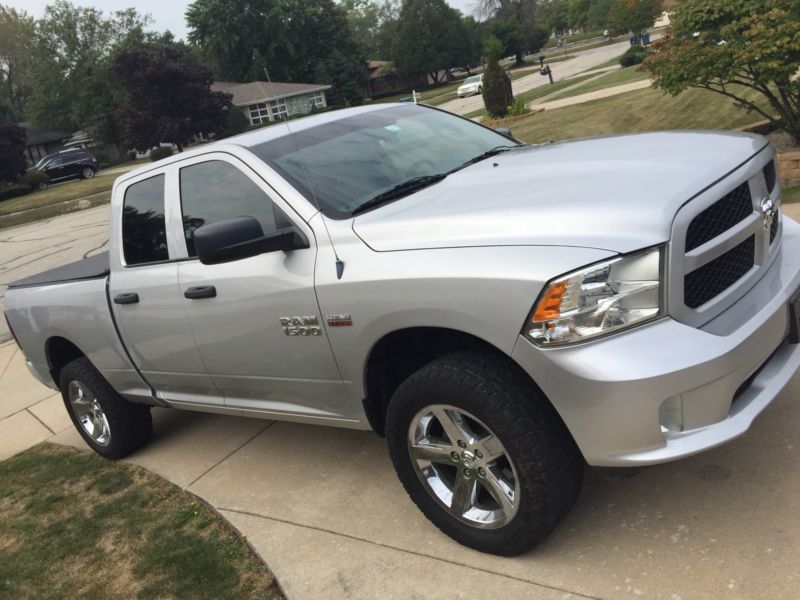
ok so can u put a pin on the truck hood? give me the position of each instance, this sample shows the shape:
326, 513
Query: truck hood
614, 193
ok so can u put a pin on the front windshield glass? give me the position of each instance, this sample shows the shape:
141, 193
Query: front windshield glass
349, 161
474, 79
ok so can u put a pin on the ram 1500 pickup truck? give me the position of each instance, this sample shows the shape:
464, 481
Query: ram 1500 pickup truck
503, 313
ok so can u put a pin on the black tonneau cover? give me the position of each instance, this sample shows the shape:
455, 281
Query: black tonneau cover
93, 267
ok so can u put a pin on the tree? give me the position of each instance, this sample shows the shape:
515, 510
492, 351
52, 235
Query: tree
294, 40
520, 15
72, 87
597, 15
497, 95
17, 43
578, 13
633, 15
427, 38
168, 98
12, 152
363, 17
735, 48
509, 33
389, 19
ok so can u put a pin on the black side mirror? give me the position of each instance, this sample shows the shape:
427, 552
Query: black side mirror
242, 237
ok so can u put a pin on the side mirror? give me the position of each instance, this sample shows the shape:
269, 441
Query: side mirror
504, 131
242, 237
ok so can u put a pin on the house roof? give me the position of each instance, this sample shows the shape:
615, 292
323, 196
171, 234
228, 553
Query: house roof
378, 68
264, 91
41, 135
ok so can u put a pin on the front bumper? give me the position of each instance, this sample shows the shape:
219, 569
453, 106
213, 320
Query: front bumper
666, 390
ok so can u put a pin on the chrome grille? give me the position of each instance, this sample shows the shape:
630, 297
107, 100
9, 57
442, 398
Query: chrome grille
713, 278
719, 217
722, 242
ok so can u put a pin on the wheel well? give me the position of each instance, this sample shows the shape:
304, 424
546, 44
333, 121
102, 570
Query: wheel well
59, 352
400, 354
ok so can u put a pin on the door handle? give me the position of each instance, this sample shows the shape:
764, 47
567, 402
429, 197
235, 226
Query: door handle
131, 298
203, 291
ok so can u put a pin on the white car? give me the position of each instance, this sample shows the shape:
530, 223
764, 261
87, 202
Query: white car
472, 85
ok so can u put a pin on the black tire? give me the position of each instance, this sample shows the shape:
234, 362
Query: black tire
480, 90
87, 173
130, 425
548, 464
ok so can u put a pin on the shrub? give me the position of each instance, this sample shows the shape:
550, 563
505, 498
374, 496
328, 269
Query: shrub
13, 191
518, 108
634, 55
132, 154
102, 158
497, 94
34, 179
160, 152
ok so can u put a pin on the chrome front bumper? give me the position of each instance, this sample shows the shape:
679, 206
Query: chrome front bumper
666, 390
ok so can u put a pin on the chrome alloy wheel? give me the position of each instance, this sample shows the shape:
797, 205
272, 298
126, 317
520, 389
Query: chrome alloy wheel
89, 413
464, 466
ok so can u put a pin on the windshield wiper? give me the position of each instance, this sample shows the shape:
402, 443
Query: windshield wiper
488, 154
401, 189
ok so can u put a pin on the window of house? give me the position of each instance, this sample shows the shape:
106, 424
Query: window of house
144, 230
279, 110
318, 100
258, 113
216, 190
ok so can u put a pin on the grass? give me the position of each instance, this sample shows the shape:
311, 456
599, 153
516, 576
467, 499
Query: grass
641, 110
612, 79
75, 525
790, 192
540, 92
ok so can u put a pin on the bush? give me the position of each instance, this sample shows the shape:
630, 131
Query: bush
518, 108
160, 152
132, 154
34, 179
13, 191
102, 158
634, 55
497, 94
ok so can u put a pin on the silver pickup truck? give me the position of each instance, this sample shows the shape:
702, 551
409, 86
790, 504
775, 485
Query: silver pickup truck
502, 313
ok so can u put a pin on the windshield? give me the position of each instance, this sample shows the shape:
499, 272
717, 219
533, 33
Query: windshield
347, 162
474, 79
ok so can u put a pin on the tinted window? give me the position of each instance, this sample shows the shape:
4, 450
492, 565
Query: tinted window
144, 231
214, 191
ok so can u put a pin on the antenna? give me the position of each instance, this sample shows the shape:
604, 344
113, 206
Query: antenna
339, 261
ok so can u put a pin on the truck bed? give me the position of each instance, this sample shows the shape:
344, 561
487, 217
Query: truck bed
93, 267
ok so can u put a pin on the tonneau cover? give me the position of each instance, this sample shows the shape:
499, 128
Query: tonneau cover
88, 268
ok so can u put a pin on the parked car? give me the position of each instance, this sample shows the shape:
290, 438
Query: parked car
74, 163
502, 313
471, 86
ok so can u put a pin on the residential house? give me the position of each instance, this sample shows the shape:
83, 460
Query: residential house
42, 141
263, 102
383, 80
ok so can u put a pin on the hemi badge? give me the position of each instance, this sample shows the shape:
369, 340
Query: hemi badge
339, 320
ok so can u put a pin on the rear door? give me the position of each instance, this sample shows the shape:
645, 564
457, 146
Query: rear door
147, 300
243, 330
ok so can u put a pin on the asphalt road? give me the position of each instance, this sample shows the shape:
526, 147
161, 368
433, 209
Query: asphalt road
585, 60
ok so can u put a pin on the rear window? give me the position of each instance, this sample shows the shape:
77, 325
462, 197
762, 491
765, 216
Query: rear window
144, 230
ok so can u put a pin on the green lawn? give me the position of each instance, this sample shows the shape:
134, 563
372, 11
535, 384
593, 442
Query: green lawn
642, 110
60, 192
76, 525
790, 193
611, 79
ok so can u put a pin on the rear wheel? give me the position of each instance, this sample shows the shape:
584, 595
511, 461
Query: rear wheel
482, 453
112, 426
87, 173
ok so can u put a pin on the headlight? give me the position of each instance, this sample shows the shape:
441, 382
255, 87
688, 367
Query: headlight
599, 299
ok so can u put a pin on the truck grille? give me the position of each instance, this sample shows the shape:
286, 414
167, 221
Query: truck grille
720, 245
719, 217
713, 278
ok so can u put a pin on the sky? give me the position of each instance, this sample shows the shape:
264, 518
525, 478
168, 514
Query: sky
166, 14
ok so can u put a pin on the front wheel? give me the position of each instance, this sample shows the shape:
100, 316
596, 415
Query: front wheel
112, 426
480, 91
482, 453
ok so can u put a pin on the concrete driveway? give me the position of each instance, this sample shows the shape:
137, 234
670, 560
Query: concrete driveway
324, 509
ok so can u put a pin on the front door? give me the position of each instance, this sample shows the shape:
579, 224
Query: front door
148, 303
259, 331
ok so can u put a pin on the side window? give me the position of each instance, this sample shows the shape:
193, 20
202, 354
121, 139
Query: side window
144, 231
216, 190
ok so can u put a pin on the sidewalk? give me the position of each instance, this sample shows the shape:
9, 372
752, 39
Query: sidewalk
324, 509
588, 97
